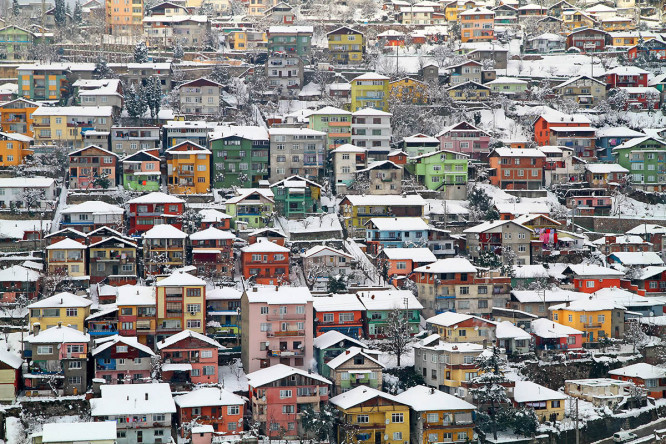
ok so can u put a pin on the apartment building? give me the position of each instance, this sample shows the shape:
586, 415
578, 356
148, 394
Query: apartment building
296, 151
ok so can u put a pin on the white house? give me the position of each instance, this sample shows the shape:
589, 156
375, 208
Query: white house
14, 191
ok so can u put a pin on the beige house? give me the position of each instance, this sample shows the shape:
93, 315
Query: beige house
67, 257
163, 31
347, 159
200, 97
382, 177
506, 238
583, 90
321, 261
602, 392
354, 367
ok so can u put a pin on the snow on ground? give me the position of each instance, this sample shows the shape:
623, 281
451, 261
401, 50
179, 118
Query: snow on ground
232, 377
496, 121
560, 65
626, 206
368, 268
14, 430
14, 340
389, 360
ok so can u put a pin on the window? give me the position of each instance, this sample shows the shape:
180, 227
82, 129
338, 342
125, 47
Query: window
329, 317
193, 323
74, 380
75, 348
206, 353
44, 349
554, 404
433, 417
72, 312
193, 308
397, 436
287, 409
264, 310
362, 419
208, 370
285, 394
233, 410
121, 348
397, 417
75, 364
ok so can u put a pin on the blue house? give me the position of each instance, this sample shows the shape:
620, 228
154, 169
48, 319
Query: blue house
395, 232
609, 138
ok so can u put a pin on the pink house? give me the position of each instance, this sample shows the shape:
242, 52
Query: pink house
277, 395
122, 360
189, 357
464, 138
549, 335
276, 327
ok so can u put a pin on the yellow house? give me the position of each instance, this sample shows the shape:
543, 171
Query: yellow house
67, 257
460, 327
346, 46
188, 169
618, 24
371, 416
451, 11
408, 89
546, 403
629, 39
574, 20
594, 317
62, 308
14, 148
437, 416
181, 304
66, 124
370, 90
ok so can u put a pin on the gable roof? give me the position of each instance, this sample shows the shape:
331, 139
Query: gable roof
133, 399
279, 371
186, 334
359, 395
423, 399
333, 337
351, 353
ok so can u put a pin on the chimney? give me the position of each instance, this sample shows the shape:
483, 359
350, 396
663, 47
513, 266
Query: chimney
35, 328
346, 352
432, 390
146, 396
254, 289
59, 324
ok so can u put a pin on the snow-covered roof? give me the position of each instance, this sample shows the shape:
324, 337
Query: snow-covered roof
417, 255
26, 182
389, 300
263, 245
626, 71
210, 215
290, 29
554, 116
420, 138
547, 329
621, 239
528, 391
130, 341
434, 342
619, 131
448, 265
349, 148
593, 270
518, 152
156, 197
67, 244
135, 295
58, 334
242, 193
212, 233
279, 371
359, 395
207, 397
549, 295
385, 200
185, 334
348, 354
638, 258
18, 273
424, 399
507, 81
370, 76
643, 229
641, 370
489, 225
242, 131
324, 250
79, 432
337, 302
65, 300
180, 279
272, 295
506, 330
605, 168
399, 223
11, 359
588, 304
164, 231
93, 206
333, 337
449, 318
371, 112
330, 110
74, 111
133, 399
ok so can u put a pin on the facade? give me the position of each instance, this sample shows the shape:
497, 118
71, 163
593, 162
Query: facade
347, 160
477, 25
67, 258
66, 125
240, 156
644, 158
164, 246
16, 116
180, 306
464, 138
129, 140
188, 169
357, 210
212, 252
188, 356
371, 128
295, 40
517, 169
276, 327
114, 258
457, 327
152, 209
251, 207
440, 170
588, 40
651, 377
339, 313
370, 90
213, 406
497, 236
382, 177
297, 151
91, 215
93, 168
380, 304
200, 97
355, 367
321, 262
284, 71
266, 261
122, 360
14, 149
584, 90
595, 318
136, 313
335, 122
141, 171
346, 46
547, 404
397, 232
60, 309
148, 406
124, 18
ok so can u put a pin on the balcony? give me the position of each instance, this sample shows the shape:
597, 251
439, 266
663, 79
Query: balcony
286, 317
288, 333
284, 353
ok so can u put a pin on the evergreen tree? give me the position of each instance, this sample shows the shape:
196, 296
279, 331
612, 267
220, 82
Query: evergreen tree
153, 96
489, 393
481, 205
178, 52
78, 13
68, 12
60, 13
140, 52
102, 70
16, 9
135, 102
220, 74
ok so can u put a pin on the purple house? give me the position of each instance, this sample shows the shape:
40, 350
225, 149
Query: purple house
464, 138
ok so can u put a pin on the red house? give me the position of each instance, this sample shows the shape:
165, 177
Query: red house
189, 356
652, 280
212, 406
267, 261
544, 125
89, 166
214, 218
398, 157
212, 252
589, 40
641, 98
549, 335
271, 234
650, 377
274, 397
400, 262
626, 76
652, 48
340, 312
154, 209
517, 169
588, 278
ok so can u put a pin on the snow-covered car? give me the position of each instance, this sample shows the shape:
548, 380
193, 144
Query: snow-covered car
623, 436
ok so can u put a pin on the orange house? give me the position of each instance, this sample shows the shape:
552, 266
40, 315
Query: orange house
645, 375
544, 124
477, 25
400, 262
398, 157
211, 406
340, 312
268, 262
588, 278
16, 116
270, 234
517, 169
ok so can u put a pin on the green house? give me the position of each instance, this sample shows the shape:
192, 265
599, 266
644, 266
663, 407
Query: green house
439, 169
251, 208
645, 158
329, 345
141, 172
16, 43
335, 122
297, 197
240, 156
290, 39
380, 304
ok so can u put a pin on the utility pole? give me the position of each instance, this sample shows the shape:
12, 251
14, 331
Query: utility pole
577, 434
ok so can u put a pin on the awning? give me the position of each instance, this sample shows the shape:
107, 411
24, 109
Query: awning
177, 367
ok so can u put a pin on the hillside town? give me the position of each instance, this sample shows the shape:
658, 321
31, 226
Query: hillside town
332, 221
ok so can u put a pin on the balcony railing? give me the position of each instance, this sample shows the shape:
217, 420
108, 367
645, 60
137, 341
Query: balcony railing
286, 317
288, 333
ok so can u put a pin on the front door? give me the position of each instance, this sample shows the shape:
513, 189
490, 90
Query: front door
590, 337
378, 437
